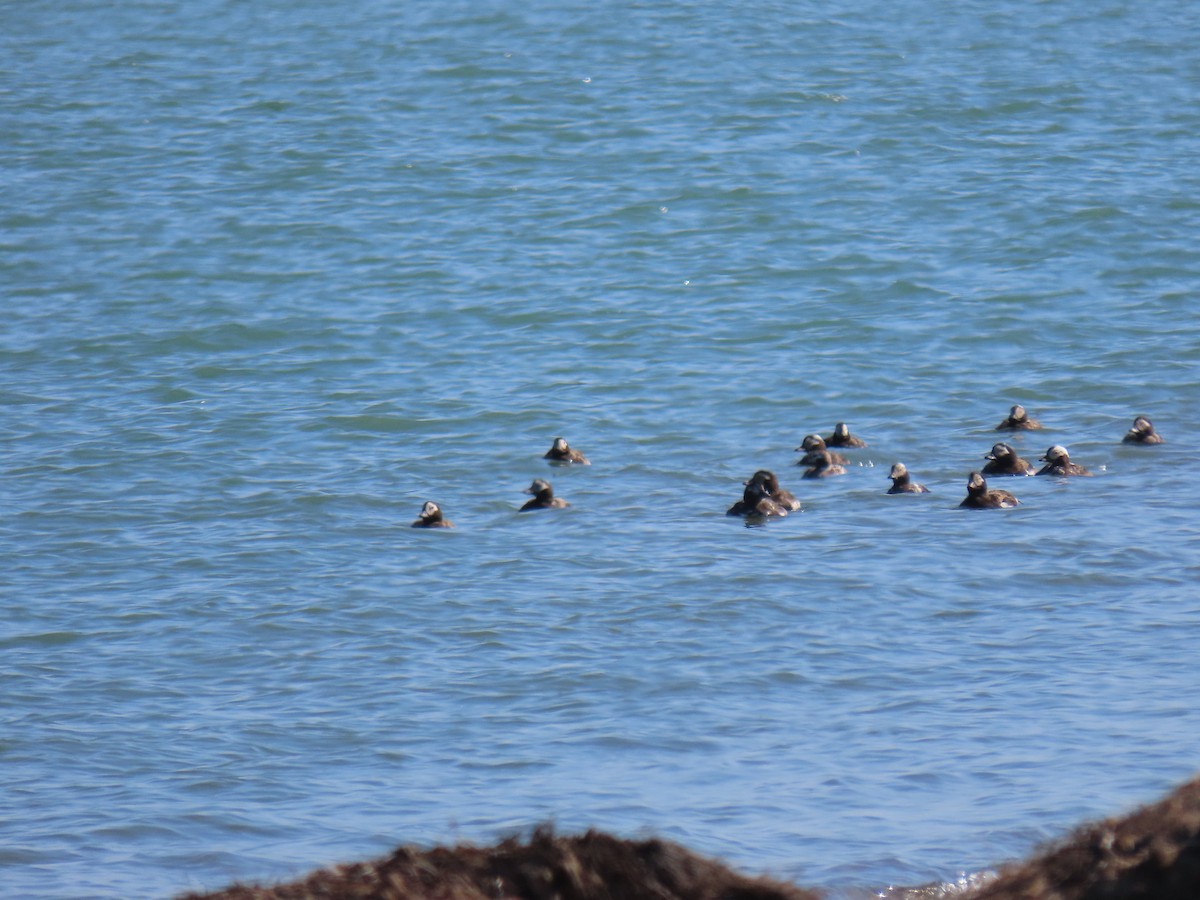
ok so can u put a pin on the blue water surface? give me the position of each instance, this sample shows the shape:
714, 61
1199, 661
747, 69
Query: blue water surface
275, 274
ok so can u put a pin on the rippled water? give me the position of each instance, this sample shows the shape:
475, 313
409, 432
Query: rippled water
275, 274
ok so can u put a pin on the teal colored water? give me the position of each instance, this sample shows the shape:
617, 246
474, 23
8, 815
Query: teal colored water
274, 274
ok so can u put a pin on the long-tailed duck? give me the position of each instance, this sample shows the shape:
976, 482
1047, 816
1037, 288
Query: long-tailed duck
1003, 460
1057, 462
1142, 432
979, 497
784, 498
821, 465
1018, 420
815, 442
431, 517
561, 451
902, 482
543, 497
842, 437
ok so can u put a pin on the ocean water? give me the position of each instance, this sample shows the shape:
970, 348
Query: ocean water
274, 274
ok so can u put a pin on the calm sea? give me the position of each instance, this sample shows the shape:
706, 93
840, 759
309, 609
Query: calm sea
274, 273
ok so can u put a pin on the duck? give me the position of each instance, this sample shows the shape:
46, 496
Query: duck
1058, 462
560, 451
816, 442
842, 437
979, 497
902, 483
1142, 432
1003, 460
543, 497
821, 465
755, 502
770, 483
1018, 420
431, 517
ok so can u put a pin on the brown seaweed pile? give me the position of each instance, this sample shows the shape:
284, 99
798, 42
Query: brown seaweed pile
594, 866
1154, 852
1150, 854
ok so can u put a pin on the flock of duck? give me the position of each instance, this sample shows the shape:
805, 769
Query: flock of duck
764, 498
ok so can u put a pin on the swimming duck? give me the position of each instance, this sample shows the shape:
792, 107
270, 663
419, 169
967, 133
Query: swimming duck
431, 517
1142, 432
770, 484
842, 437
902, 482
822, 465
1059, 463
543, 497
561, 451
1018, 420
1004, 461
816, 442
979, 497
756, 502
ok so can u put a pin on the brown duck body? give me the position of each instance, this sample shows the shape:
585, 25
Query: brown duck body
821, 465
756, 502
979, 497
814, 443
842, 437
1142, 432
543, 497
902, 482
1003, 460
1059, 463
431, 517
774, 492
1018, 420
561, 451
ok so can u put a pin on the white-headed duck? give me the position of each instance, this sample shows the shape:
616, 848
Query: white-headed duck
561, 452
1018, 420
431, 517
902, 482
842, 437
1058, 462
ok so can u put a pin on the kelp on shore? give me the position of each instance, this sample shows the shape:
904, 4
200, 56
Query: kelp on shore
1153, 852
